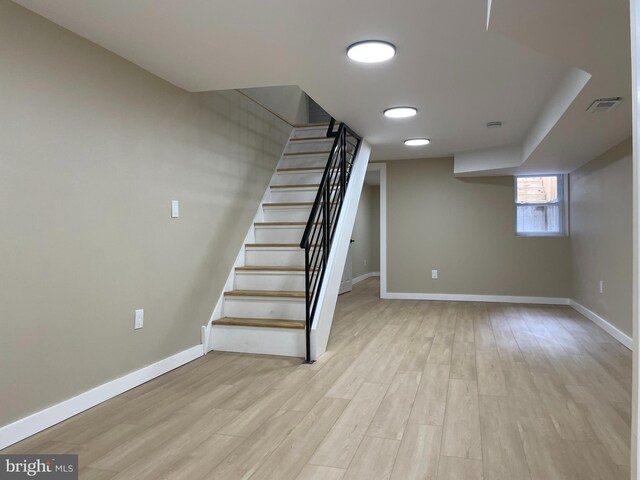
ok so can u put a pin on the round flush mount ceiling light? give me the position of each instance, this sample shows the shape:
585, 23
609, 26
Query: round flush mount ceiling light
417, 142
400, 112
371, 51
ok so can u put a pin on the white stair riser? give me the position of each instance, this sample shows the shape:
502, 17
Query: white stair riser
279, 234
279, 195
310, 132
310, 146
319, 161
250, 307
264, 257
281, 281
285, 195
286, 214
266, 341
297, 178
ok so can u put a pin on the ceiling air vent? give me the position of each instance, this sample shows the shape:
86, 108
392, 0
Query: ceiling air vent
603, 104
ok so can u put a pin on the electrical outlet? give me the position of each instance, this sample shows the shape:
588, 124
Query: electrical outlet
365, 261
175, 208
434, 274
139, 319
601, 286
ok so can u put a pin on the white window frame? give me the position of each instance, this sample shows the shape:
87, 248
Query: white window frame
563, 187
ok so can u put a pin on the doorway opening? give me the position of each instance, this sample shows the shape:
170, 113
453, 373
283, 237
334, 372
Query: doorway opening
367, 252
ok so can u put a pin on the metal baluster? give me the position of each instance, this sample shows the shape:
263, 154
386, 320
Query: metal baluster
325, 226
308, 303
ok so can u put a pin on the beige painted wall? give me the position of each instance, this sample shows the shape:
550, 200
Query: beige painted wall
464, 227
601, 235
365, 251
92, 151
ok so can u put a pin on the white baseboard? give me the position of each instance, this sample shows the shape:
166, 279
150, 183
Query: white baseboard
25, 427
622, 337
450, 297
364, 277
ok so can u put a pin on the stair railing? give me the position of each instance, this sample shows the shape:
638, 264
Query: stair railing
318, 234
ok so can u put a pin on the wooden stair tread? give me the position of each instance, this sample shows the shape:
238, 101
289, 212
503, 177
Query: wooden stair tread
264, 293
301, 169
303, 154
301, 185
272, 245
260, 322
274, 268
291, 204
282, 224
309, 139
276, 245
312, 125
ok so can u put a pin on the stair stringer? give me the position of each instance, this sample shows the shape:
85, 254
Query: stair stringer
249, 238
328, 295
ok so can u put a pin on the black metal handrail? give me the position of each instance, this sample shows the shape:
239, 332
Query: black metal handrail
318, 234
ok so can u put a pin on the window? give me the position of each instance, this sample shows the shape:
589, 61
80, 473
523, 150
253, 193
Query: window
540, 207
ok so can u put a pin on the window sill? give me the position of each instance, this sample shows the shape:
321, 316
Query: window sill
536, 234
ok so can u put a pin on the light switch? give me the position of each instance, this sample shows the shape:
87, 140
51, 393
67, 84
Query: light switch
175, 208
139, 319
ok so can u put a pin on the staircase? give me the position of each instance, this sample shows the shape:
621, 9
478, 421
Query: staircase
265, 312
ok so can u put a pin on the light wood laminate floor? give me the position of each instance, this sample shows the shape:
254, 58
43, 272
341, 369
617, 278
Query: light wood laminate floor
408, 390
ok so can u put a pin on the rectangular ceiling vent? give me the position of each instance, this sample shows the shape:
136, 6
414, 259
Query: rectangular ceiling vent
603, 104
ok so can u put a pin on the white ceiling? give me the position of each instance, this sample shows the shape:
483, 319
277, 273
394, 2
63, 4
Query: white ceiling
594, 39
458, 74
